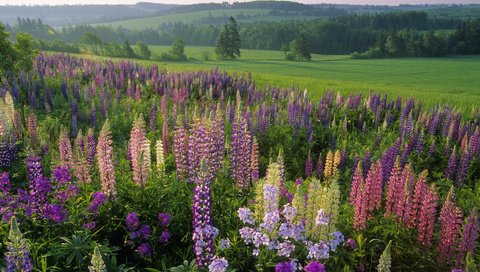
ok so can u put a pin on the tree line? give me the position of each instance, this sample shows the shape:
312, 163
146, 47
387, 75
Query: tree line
395, 34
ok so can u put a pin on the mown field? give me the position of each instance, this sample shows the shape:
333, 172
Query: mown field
452, 80
203, 17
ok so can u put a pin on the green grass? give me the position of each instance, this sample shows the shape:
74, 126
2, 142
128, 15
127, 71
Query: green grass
451, 80
199, 16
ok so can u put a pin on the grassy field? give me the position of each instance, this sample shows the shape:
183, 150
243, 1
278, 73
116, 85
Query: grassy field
219, 16
453, 80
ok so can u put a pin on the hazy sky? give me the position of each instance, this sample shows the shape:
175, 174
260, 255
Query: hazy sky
371, 2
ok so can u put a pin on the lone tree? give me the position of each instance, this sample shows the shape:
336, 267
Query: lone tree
228, 42
299, 49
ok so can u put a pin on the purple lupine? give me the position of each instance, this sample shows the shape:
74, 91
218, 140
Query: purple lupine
463, 168
315, 266
367, 156
309, 165
5, 156
469, 237
203, 230
164, 219
166, 143
97, 200
153, 118
240, 154
17, 255
254, 161
451, 169
55, 212
4, 183
218, 141
284, 267
91, 147
132, 221
199, 149
34, 167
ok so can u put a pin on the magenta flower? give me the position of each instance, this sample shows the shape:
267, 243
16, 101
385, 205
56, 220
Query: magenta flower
315, 266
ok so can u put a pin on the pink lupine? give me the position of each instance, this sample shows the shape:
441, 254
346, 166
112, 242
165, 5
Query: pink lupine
420, 190
357, 180
394, 180
166, 143
451, 223
32, 127
218, 138
469, 237
65, 148
105, 161
426, 218
254, 161
360, 208
373, 187
180, 146
81, 166
405, 200
140, 152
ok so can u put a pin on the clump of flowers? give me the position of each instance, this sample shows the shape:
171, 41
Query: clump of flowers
17, 256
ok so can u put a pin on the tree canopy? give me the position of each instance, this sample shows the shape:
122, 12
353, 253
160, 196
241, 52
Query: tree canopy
228, 42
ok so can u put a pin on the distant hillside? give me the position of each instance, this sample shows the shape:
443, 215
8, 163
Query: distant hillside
58, 16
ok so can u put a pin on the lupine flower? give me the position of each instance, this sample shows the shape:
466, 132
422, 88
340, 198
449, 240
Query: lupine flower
420, 190
164, 219
166, 143
328, 171
351, 244
357, 179
4, 183
284, 267
91, 147
322, 218
105, 161
97, 263
65, 148
373, 187
218, 141
426, 221
97, 200
132, 221
160, 156
254, 161
469, 237
140, 151
164, 237
463, 168
55, 212
34, 167
224, 244
17, 255
62, 175
319, 167
218, 265
385, 262
203, 230
309, 165
451, 222
315, 266
32, 127
180, 146
240, 153
246, 215
452, 165
144, 250
360, 208
82, 167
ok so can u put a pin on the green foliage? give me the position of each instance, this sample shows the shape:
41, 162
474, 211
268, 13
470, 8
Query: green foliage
228, 42
18, 56
92, 41
142, 50
299, 49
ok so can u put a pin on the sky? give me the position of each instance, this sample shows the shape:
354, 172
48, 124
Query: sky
370, 2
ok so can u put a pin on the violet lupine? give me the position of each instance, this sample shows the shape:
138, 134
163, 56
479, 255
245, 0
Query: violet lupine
426, 220
153, 118
203, 230
140, 151
469, 237
34, 167
309, 165
199, 149
240, 153
254, 161
463, 167
357, 180
65, 149
105, 161
17, 256
451, 222
91, 147
4, 183
180, 146
451, 169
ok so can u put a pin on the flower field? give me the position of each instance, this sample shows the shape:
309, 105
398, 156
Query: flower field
113, 166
